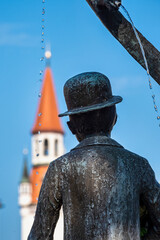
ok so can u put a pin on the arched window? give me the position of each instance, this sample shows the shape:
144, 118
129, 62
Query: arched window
56, 147
46, 147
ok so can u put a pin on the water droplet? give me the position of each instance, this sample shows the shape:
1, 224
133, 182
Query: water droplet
158, 117
37, 173
37, 154
150, 85
43, 27
36, 184
155, 107
153, 96
41, 72
43, 1
39, 114
40, 95
41, 59
43, 12
40, 124
42, 33
42, 48
42, 40
42, 19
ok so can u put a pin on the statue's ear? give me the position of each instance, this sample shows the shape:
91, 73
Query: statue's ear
71, 127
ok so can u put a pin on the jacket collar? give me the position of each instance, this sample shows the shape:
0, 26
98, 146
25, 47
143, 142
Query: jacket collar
98, 140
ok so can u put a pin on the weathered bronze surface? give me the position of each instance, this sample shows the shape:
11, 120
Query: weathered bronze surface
122, 30
87, 92
100, 184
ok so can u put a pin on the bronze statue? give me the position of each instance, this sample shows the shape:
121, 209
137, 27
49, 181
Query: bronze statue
99, 183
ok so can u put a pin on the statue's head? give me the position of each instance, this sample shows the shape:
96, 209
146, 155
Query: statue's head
90, 103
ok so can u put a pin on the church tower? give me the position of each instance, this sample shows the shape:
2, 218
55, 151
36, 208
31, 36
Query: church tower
47, 145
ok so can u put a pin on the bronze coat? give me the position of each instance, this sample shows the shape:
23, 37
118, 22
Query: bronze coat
99, 184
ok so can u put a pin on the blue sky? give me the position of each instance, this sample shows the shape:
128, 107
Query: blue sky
79, 43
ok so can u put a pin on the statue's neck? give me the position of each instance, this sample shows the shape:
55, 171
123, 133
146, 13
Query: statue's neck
94, 135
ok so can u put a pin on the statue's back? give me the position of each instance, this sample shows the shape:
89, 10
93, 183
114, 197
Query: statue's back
101, 188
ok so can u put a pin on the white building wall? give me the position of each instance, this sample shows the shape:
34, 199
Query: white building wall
25, 194
27, 218
59, 231
38, 142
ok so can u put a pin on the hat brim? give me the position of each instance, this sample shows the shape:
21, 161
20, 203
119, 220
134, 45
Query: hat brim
110, 102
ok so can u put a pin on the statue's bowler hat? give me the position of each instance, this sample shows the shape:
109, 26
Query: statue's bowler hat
87, 92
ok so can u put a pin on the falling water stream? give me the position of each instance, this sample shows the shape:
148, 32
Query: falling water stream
41, 72
145, 60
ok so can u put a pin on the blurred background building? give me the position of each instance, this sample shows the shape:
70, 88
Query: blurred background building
47, 145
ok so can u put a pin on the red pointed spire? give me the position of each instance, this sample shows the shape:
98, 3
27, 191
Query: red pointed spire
47, 119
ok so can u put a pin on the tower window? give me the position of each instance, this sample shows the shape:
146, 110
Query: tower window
56, 147
46, 147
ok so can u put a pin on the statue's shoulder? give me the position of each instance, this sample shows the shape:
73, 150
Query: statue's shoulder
134, 157
62, 160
